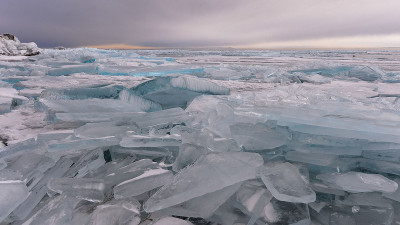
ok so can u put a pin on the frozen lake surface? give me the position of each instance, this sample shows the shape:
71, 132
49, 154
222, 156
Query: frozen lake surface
91, 136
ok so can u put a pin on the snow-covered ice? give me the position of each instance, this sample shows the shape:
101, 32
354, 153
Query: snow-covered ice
90, 136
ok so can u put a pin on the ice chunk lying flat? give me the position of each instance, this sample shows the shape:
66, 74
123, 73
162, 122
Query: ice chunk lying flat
203, 206
314, 158
82, 188
285, 183
357, 182
171, 221
93, 105
115, 212
69, 69
82, 93
145, 141
97, 130
12, 194
177, 91
147, 181
83, 144
174, 116
256, 137
217, 170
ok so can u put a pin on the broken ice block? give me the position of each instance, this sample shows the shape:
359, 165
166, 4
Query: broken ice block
97, 130
120, 173
256, 137
311, 158
56, 210
147, 181
278, 212
70, 69
115, 212
285, 183
394, 195
352, 215
171, 221
252, 199
147, 105
83, 144
12, 194
92, 105
3, 164
356, 182
203, 206
143, 120
177, 91
217, 170
145, 141
188, 154
89, 189
82, 93
40, 189
87, 163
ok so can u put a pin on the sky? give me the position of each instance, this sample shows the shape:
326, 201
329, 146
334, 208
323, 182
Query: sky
204, 23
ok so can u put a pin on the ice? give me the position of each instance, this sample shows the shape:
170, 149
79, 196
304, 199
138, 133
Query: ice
83, 144
188, 154
219, 170
394, 195
98, 136
356, 182
70, 69
163, 117
129, 97
203, 206
9, 99
81, 188
314, 158
144, 141
147, 181
94, 130
115, 212
12, 193
256, 137
82, 93
40, 189
91, 105
177, 91
285, 183
171, 221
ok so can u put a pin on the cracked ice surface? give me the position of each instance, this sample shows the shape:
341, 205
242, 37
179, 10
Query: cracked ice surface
91, 136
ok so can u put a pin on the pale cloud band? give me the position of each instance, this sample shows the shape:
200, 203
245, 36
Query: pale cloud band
190, 23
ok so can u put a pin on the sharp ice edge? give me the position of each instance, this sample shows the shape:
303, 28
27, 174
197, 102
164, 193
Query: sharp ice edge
92, 136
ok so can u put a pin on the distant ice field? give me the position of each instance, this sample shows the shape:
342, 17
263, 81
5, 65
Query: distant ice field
90, 136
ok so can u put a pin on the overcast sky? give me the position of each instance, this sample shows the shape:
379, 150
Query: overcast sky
201, 23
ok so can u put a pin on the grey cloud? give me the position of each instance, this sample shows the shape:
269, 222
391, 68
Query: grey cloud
193, 23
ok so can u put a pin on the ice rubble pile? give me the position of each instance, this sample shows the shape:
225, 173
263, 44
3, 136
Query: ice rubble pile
11, 46
185, 150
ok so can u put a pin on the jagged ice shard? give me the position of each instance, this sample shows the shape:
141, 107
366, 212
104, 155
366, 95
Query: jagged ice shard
90, 136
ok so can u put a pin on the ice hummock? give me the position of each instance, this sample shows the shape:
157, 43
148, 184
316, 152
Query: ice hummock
11, 46
91, 136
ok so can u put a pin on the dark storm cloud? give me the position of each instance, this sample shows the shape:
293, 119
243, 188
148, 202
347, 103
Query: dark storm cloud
193, 23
